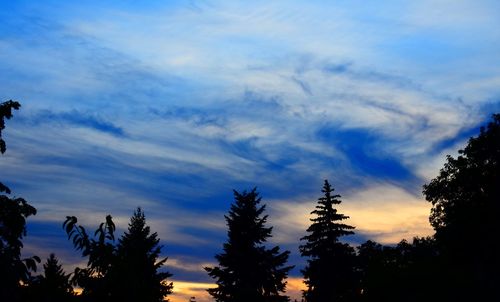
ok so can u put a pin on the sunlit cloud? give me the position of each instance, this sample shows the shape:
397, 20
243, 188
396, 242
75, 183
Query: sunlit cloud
381, 212
184, 290
388, 214
171, 105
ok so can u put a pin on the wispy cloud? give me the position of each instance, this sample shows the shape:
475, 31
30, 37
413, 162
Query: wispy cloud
382, 212
171, 105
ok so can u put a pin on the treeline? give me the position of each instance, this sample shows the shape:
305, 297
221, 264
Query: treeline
460, 262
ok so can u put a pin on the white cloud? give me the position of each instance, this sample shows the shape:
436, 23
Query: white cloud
410, 74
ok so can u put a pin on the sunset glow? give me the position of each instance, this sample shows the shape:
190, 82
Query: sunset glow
170, 105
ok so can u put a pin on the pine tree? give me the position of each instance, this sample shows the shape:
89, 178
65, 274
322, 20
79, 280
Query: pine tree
135, 275
248, 271
330, 271
53, 285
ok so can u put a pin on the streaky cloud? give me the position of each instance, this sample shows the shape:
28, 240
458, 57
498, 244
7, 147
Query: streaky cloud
77, 118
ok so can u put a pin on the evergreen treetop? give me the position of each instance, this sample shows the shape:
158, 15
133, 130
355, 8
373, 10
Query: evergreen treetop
127, 271
326, 229
53, 286
330, 273
248, 270
135, 275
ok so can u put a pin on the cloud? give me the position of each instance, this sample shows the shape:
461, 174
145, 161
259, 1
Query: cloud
170, 106
380, 212
184, 290
76, 118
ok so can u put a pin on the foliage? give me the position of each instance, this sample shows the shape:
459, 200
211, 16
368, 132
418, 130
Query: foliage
13, 215
6, 113
124, 272
405, 272
465, 199
248, 271
330, 272
100, 250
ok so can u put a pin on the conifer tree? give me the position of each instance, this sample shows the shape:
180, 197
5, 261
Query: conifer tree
53, 285
248, 271
127, 271
330, 270
135, 276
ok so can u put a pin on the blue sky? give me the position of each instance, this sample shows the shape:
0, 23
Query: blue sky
170, 105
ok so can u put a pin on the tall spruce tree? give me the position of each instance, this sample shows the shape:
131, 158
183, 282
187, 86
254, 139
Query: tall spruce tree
330, 271
248, 271
135, 275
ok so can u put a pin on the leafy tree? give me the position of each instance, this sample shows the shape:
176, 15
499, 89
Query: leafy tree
248, 270
465, 199
6, 113
53, 285
135, 275
13, 269
127, 271
330, 271
13, 214
100, 250
405, 272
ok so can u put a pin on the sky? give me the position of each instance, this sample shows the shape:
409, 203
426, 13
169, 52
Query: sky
170, 105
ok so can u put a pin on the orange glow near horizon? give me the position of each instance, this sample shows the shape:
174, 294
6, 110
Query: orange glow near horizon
183, 290
388, 214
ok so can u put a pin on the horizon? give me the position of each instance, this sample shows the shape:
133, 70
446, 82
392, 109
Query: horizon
169, 106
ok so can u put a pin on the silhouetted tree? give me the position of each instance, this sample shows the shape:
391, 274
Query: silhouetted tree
6, 113
53, 285
135, 275
13, 214
249, 271
124, 272
13, 269
376, 271
465, 199
94, 279
330, 273
405, 272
